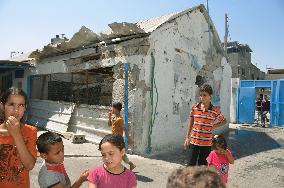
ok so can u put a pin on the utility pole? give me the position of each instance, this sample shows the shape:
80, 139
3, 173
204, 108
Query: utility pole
209, 30
226, 33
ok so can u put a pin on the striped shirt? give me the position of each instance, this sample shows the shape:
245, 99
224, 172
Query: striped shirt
204, 120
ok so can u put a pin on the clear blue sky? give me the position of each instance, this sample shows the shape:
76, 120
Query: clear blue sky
28, 25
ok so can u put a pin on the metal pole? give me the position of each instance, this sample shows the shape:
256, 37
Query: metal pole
226, 33
126, 67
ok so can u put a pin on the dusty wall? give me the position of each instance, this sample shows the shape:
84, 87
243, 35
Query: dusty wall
234, 94
91, 121
181, 52
166, 69
274, 76
51, 115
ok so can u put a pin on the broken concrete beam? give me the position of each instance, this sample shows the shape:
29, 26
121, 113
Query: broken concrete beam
124, 28
83, 37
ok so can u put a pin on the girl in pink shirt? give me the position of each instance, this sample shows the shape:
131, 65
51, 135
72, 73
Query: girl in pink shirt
220, 157
112, 173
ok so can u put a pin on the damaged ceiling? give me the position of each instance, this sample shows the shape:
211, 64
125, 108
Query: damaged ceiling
85, 37
119, 32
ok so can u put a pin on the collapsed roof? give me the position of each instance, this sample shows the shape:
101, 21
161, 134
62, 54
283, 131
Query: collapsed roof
85, 37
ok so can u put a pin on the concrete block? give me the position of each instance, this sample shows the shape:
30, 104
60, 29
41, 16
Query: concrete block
78, 138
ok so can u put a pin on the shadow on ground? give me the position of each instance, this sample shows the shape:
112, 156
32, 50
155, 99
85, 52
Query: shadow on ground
242, 142
143, 178
178, 156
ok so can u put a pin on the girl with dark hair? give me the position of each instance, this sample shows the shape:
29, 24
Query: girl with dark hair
112, 173
220, 157
17, 141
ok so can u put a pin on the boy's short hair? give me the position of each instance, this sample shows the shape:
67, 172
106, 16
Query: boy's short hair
117, 105
206, 88
195, 177
45, 140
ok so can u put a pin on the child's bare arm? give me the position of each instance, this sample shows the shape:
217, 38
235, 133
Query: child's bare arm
91, 185
220, 124
13, 127
188, 131
60, 185
109, 119
83, 177
229, 157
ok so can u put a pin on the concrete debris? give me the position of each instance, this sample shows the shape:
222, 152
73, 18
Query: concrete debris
86, 37
83, 37
124, 28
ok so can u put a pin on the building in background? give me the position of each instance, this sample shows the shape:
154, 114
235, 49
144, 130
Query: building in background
168, 58
239, 57
275, 74
14, 71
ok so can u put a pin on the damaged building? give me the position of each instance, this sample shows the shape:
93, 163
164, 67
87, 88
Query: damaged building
154, 67
14, 70
239, 56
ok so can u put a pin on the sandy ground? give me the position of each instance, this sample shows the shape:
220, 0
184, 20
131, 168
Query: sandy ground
259, 154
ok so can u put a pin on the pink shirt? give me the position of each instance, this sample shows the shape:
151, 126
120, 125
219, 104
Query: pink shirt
105, 179
221, 163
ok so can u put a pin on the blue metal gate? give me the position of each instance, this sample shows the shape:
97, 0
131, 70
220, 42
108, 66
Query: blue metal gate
246, 101
277, 103
246, 105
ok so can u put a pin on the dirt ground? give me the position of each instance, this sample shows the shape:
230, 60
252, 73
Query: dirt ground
258, 152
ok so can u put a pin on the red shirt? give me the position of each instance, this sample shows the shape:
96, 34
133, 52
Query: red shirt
220, 163
12, 172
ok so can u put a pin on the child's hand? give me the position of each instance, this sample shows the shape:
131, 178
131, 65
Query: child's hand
84, 175
223, 151
130, 140
13, 126
186, 143
109, 115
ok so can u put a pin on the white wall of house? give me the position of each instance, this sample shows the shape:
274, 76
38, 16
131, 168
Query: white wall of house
234, 95
52, 115
181, 51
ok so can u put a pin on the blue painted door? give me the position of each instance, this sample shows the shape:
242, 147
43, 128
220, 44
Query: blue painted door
274, 112
277, 103
246, 107
281, 103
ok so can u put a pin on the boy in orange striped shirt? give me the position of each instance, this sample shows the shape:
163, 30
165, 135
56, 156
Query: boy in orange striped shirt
204, 117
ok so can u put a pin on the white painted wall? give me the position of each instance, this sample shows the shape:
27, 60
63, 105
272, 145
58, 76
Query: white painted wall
233, 107
181, 50
91, 121
175, 74
51, 115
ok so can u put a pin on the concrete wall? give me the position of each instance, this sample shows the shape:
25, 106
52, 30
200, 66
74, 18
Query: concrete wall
91, 121
234, 95
274, 76
181, 51
51, 115
178, 53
